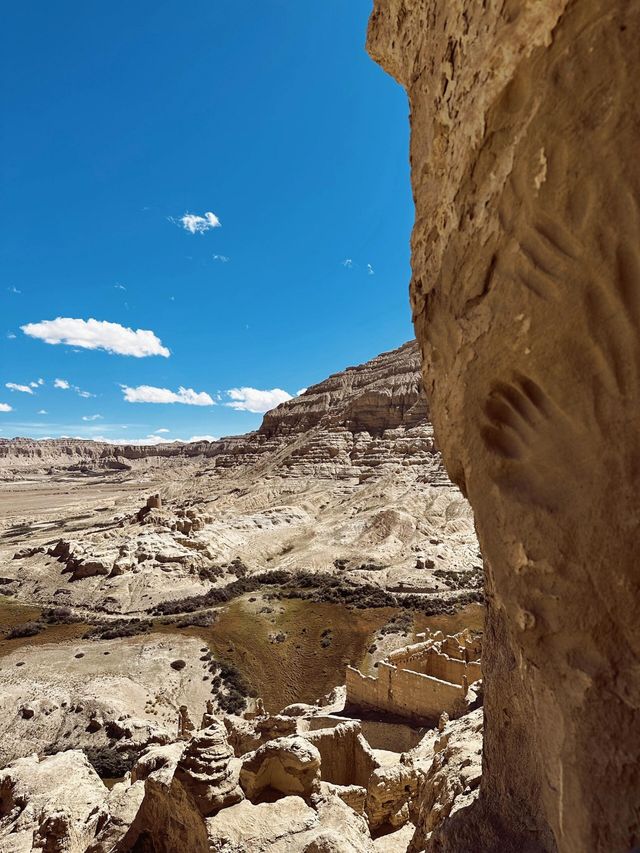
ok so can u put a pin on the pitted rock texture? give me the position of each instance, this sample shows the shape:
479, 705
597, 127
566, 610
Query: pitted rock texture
526, 301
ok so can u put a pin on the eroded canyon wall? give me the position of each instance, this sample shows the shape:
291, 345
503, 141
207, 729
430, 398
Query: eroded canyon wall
526, 301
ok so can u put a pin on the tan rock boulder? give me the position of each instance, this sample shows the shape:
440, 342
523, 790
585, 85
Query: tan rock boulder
289, 765
389, 792
53, 804
452, 781
263, 828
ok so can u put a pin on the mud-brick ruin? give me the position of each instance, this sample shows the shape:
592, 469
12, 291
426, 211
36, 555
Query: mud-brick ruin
420, 681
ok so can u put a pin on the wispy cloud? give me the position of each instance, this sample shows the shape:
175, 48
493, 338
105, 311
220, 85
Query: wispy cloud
253, 400
149, 394
97, 334
43, 412
348, 263
13, 289
222, 258
119, 287
64, 385
92, 417
24, 389
162, 430
195, 224
11, 336
5, 407
152, 439
37, 383
370, 270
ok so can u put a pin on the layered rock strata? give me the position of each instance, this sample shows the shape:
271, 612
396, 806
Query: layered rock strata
525, 295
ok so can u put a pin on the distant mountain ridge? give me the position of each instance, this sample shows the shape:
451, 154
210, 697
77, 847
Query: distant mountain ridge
382, 394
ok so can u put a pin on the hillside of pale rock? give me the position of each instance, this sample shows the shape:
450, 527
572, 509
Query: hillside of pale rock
343, 480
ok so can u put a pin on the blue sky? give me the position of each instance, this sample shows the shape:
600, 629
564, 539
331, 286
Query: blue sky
119, 119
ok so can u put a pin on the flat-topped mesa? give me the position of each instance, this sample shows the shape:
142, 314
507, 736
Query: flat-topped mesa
380, 394
526, 302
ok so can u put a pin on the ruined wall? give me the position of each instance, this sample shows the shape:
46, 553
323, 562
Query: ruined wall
346, 756
526, 301
432, 662
403, 693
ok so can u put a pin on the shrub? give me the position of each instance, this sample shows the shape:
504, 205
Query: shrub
108, 763
29, 629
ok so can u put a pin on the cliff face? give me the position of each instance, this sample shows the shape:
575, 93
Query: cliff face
526, 301
362, 419
384, 393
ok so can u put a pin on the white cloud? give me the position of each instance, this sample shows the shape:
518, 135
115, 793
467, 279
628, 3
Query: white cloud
97, 334
151, 440
253, 400
5, 407
162, 430
43, 412
13, 289
65, 386
370, 270
92, 417
348, 263
222, 258
24, 389
149, 394
11, 336
119, 287
300, 391
198, 224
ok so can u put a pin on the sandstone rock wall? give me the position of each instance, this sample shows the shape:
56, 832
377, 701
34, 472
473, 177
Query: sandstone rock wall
526, 300
346, 756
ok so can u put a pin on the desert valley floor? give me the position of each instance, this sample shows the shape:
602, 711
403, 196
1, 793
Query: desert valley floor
202, 631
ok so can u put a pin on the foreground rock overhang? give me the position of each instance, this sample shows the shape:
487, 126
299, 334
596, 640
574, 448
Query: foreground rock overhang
526, 301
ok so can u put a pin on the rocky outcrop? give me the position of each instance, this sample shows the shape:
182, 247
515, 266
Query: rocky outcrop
289, 765
53, 804
525, 296
449, 784
209, 771
384, 393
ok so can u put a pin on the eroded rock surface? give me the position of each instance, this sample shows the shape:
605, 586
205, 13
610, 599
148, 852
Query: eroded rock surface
53, 804
525, 294
112, 697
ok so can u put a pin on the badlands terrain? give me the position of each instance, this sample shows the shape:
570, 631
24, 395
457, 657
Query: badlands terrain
174, 615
